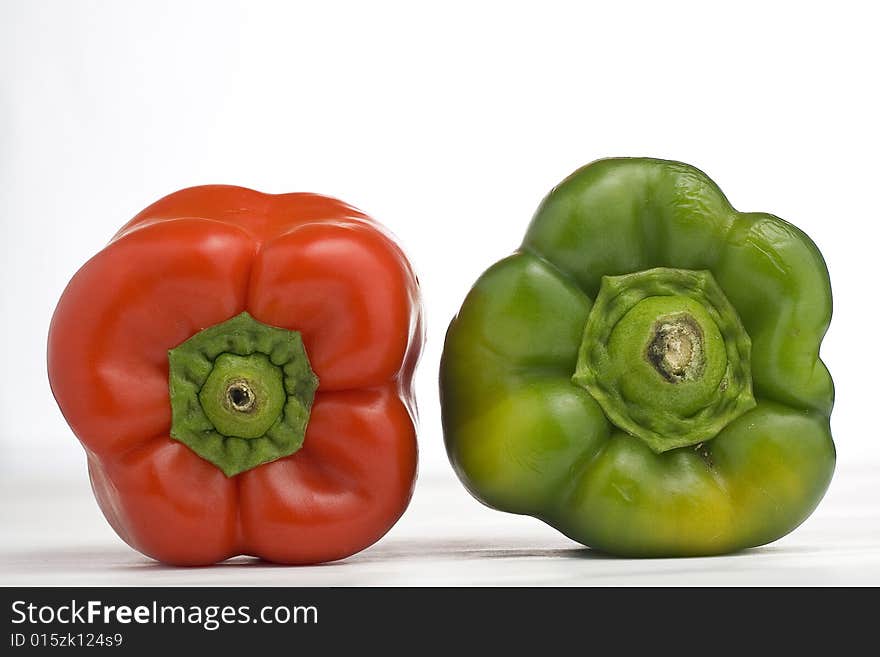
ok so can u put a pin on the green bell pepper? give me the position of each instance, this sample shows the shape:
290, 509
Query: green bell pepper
644, 374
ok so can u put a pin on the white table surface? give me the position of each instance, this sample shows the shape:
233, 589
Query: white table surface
52, 533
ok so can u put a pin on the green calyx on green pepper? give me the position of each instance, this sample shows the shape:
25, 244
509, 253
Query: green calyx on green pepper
666, 356
643, 374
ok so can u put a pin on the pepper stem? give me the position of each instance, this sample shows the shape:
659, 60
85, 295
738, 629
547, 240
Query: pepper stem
676, 351
240, 397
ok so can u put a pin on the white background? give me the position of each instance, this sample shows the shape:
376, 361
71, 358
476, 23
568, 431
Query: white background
448, 123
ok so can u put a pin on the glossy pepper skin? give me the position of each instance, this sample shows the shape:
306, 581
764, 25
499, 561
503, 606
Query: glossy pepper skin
643, 373
327, 294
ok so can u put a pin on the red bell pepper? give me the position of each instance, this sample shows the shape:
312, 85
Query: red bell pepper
238, 367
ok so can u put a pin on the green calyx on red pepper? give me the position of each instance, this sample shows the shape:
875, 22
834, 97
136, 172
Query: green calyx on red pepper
643, 374
241, 392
